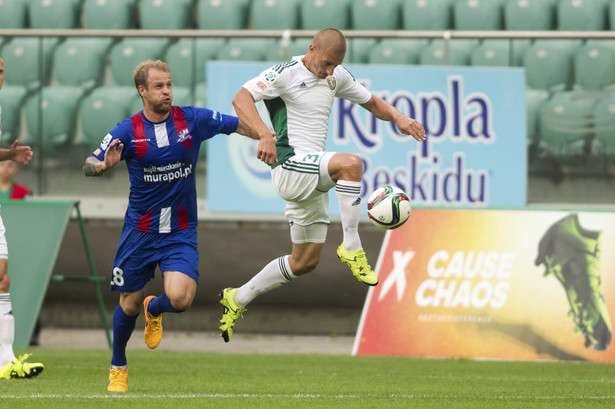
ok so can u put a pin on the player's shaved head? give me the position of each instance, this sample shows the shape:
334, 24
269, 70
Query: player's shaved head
330, 39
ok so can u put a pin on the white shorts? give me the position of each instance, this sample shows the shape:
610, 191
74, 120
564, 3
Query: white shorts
303, 182
4, 248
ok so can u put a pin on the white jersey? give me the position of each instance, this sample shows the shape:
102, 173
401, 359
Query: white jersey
299, 103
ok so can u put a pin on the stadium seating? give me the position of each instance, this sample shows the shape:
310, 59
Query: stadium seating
101, 110
13, 14
492, 53
128, 53
12, 98
459, 51
245, 49
22, 62
582, 15
427, 14
109, 14
478, 14
165, 14
200, 95
81, 61
525, 15
534, 100
298, 46
375, 14
57, 126
274, 14
357, 49
604, 122
566, 125
396, 51
185, 68
320, 14
548, 64
222, 14
53, 13
594, 67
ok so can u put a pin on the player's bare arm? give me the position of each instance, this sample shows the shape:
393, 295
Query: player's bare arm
96, 167
387, 112
249, 116
21, 154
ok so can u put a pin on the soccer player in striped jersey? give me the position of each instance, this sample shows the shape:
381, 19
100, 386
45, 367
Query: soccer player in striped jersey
298, 95
160, 146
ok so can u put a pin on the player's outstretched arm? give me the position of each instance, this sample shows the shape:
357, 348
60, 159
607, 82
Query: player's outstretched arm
96, 167
387, 112
249, 117
21, 154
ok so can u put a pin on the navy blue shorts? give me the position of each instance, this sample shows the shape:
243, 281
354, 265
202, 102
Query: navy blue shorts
140, 252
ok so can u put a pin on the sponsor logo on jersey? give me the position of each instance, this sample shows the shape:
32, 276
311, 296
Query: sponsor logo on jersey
331, 82
106, 141
302, 86
183, 135
167, 173
261, 85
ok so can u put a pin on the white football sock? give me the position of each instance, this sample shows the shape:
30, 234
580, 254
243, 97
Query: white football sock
349, 198
7, 330
273, 275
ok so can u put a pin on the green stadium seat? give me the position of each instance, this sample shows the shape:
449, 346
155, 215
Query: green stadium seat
165, 14
298, 46
22, 61
109, 14
185, 69
200, 95
459, 52
58, 105
492, 53
13, 14
396, 51
81, 61
427, 14
566, 124
245, 49
534, 100
129, 52
594, 67
222, 14
580, 15
357, 49
548, 64
53, 14
274, 14
478, 14
529, 15
375, 14
12, 98
321, 14
102, 109
604, 122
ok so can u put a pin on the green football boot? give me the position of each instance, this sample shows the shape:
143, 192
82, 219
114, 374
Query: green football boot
572, 254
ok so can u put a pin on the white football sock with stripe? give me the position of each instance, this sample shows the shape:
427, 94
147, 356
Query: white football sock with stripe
348, 195
273, 275
7, 330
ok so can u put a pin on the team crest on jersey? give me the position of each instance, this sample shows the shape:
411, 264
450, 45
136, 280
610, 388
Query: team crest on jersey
331, 82
183, 135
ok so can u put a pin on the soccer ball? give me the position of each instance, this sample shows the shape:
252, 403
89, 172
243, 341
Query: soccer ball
388, 207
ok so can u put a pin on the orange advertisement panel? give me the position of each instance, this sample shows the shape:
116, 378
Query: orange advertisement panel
501, 284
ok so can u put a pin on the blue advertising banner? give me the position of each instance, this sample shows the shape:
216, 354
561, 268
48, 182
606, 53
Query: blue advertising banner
475, 155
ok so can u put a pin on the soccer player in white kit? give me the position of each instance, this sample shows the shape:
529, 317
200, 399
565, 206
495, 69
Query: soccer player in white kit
11, 366
299, 95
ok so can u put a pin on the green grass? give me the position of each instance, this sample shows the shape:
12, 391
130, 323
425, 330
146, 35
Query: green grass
162, 379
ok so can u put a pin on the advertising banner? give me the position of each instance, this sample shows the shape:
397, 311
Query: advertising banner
502, 284
475, 155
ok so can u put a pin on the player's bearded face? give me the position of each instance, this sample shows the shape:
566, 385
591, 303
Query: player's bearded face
159, 93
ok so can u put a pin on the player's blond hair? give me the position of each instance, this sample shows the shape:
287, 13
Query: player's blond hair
142, 70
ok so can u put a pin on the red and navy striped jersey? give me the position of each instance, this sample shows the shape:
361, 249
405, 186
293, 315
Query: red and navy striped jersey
161, 160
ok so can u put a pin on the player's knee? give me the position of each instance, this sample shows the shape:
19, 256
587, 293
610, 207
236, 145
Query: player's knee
181, 302
305, 266
5, 283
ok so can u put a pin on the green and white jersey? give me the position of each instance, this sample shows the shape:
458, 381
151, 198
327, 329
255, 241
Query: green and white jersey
299, 103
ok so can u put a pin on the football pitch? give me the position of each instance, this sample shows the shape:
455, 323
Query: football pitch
167, 379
